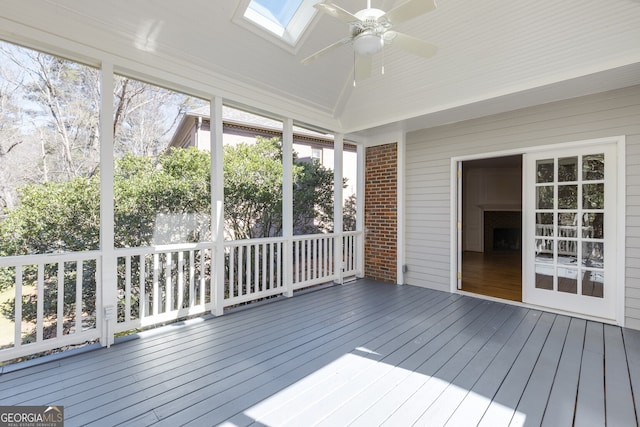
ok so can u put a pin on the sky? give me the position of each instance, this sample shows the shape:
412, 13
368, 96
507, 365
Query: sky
281, 11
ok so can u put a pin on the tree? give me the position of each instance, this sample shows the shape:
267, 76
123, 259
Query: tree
312, 198
54, 103
63, 97
253, 192
177, 183
349, 213
11, 139
145, 116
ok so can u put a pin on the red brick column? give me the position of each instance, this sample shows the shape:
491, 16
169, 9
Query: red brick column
380, 207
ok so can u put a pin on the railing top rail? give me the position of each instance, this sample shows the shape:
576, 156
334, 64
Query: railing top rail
312, 236
144, 250
12, 261
254, 241
320, 235
298, 237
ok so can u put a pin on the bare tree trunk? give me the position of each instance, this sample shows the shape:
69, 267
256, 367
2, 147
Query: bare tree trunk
45, 172
57, 114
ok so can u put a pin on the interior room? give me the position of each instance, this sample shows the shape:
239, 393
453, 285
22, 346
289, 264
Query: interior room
492, 227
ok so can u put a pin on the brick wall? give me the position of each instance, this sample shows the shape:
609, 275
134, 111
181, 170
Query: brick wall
380, 209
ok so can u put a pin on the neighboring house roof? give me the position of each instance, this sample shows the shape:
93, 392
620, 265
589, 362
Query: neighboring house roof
244, 123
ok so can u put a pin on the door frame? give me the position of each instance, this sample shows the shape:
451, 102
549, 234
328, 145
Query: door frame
619, 269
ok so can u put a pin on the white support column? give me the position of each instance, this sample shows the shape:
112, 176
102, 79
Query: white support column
400, 202
106, 297
287, 204
338, 231
217, 205
360, 181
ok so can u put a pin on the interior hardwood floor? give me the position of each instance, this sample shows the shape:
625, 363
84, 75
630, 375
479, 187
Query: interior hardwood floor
496, 274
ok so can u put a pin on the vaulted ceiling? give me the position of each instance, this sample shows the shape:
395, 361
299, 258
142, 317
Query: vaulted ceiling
494, 55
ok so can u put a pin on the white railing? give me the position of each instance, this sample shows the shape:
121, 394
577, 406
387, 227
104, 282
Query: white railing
161, 284
254, 269
567, 244
55, 302
313, 260
351, 244
57, 297
546, 230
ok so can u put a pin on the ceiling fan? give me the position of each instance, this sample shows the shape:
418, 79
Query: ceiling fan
371, 29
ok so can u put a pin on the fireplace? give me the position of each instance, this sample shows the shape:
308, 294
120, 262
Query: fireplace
502, 231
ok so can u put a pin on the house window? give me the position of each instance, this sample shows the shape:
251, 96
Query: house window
285, 19
316, 154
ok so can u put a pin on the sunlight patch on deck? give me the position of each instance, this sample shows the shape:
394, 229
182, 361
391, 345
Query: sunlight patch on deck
312, 398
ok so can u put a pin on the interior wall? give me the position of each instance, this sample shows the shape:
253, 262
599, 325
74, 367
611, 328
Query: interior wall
428, 175
487, 189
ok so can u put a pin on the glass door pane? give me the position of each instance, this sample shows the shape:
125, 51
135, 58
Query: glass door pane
579, 194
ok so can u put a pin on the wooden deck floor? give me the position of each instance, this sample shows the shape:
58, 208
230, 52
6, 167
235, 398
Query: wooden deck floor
361, 354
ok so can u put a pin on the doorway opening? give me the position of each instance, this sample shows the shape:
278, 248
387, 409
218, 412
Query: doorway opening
491, 211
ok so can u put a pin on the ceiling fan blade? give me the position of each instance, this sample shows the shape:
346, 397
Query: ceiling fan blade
411, 44
363, 67
326, 49
337, 12
409, 10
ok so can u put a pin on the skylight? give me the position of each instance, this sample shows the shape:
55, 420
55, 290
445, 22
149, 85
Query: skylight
277, 11
286, 19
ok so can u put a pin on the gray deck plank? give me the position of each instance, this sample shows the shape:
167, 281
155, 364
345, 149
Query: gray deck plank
456, 336
590, 403
189, 383
503, 404
530, 409
363, 354
401, 363
444, 406
478, 398
632, 350
279, 377
560, 408
186, 386
618, 398
441, 370
368, 396
363, 358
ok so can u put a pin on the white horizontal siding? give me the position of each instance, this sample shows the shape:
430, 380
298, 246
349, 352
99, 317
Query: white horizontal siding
428, 171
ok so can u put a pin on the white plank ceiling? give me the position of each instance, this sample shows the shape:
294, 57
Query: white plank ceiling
494, 55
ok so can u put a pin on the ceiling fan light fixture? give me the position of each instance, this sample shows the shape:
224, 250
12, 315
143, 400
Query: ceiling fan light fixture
368, 43
371, 29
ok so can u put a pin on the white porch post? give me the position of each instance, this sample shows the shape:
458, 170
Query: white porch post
106, 296
287, 204
338, 231
217, 205
360, 181
401, 159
